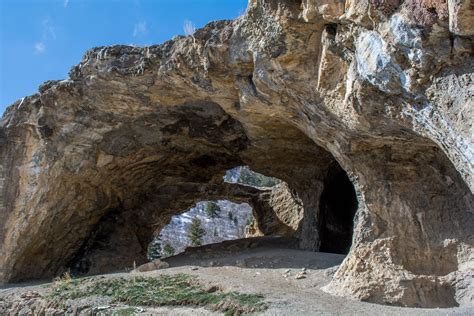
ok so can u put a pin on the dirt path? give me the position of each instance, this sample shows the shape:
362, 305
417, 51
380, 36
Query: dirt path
267, 268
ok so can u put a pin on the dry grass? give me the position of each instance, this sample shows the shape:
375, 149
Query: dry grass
164, 290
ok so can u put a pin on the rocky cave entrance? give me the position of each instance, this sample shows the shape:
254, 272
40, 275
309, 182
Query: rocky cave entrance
215, 221
337, 207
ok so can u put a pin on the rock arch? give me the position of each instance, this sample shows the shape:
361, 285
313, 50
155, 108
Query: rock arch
142, 170
287, 89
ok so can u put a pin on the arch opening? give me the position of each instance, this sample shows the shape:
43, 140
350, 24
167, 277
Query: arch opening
230, 218
208, 222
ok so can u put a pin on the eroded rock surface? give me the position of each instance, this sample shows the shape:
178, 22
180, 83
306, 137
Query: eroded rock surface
385, 88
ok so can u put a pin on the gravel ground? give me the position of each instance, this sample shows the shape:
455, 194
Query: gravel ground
289, 279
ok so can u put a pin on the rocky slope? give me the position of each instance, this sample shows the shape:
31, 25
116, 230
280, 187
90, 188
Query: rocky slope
219, 228
293, 89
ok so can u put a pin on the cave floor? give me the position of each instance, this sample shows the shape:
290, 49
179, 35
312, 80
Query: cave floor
267, 268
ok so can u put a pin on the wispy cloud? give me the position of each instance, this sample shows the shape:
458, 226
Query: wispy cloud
40, 48
65, 3
48, 34
49, 31
139, 29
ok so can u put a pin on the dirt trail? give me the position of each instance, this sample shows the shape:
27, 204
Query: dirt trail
265, 266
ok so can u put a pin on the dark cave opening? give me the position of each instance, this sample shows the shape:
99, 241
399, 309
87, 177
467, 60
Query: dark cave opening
338, 205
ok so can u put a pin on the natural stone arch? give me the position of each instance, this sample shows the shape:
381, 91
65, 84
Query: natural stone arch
119, 241
283, 79
145, 170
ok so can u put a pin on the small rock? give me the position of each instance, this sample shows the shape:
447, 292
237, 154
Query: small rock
194, 268
30, 294
300, 276
153, 265
233, 247
241, 264
101, 308
287, 271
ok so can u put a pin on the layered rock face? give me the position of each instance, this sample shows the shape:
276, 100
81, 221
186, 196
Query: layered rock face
383, 89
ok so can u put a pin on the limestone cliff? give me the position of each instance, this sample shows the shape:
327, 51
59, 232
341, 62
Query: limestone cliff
383, 89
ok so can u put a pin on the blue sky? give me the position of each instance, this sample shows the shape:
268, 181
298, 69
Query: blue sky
42, 39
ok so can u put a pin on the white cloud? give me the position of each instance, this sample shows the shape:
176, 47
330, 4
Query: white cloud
40, 47
48, 35
139, 29
66, 2
49, 31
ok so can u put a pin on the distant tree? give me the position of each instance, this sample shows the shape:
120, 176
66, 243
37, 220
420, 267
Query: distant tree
246, 176
230, 215
215, 232
196, 232
168, 250
236, 221
154, 249
212, 209
255, 179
